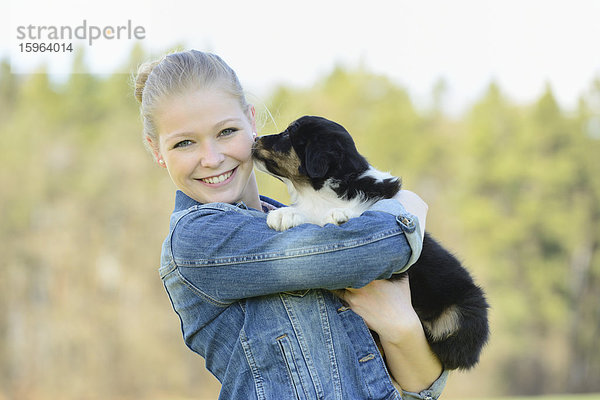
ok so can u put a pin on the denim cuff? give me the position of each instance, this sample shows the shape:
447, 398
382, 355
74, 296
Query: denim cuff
409, 224
433, 393
389, 206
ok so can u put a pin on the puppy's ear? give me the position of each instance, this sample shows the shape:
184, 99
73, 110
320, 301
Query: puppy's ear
317, 160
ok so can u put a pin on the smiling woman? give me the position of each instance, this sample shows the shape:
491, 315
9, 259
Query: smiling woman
246, 293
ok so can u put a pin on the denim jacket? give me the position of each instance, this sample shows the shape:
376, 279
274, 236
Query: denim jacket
248, 300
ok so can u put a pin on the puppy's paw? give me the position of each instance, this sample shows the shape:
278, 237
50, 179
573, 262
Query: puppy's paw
338, 216
284, 218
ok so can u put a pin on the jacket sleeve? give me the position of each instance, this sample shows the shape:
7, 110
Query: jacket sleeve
229, 254
433, 393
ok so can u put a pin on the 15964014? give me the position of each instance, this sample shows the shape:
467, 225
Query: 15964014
45, 47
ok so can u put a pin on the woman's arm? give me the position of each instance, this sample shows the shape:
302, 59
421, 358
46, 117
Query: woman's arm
228, 253
386, 308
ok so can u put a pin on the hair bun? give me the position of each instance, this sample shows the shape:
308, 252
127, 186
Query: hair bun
142, 76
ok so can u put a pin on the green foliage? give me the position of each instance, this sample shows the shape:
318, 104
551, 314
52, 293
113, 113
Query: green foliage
513, 189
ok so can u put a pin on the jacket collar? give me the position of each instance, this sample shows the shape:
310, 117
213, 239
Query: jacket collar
183, 202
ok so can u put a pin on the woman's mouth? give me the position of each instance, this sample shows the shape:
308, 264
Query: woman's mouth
218, 179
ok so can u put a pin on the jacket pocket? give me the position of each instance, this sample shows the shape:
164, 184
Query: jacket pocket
298, 293
287, 353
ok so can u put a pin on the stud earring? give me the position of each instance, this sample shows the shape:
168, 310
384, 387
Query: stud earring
161, 162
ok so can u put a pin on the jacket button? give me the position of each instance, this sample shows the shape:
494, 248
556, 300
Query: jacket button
403, 220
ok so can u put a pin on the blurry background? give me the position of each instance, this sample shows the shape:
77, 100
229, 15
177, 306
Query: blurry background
489, 110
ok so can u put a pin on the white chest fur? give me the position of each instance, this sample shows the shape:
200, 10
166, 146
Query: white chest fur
319, 207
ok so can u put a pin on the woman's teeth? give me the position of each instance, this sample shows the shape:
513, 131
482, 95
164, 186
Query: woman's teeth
217, 179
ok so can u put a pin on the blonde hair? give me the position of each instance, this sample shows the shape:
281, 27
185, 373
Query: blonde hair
179, 73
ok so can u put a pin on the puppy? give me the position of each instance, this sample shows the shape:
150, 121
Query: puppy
330, 182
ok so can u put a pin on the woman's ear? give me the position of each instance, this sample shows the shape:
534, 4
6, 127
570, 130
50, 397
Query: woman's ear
157, 156
252, 116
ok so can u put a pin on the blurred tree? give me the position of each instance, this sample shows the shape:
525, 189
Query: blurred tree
584, 266
521, 176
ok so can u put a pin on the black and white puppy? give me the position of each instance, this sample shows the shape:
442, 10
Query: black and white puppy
330, 182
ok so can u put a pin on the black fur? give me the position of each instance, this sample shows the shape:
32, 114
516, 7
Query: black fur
438, 281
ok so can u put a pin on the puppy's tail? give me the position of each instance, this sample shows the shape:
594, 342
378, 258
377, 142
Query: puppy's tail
461, 348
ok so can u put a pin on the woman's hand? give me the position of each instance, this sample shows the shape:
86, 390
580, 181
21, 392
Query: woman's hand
387, 309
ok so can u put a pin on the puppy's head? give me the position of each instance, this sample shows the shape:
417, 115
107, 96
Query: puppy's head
310, 151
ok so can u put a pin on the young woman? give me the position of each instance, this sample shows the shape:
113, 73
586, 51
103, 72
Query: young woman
258, 304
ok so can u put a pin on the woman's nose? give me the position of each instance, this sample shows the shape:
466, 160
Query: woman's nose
211, 156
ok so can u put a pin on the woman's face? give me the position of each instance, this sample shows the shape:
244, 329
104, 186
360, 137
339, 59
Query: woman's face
205, 139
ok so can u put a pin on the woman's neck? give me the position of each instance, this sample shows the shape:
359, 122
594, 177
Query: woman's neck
251, 197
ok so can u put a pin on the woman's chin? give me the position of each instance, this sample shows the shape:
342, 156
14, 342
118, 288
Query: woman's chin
226, 195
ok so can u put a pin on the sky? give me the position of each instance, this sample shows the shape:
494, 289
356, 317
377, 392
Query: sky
522, 45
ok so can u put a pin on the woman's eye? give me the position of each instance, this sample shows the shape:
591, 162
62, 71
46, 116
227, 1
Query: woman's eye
227, 132
183, 143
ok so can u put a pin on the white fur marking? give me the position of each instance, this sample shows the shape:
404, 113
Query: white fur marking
445, 325
377, 175
323, 206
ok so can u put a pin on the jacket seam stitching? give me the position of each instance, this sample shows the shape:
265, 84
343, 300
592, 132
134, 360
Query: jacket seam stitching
200, 292
291, 253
